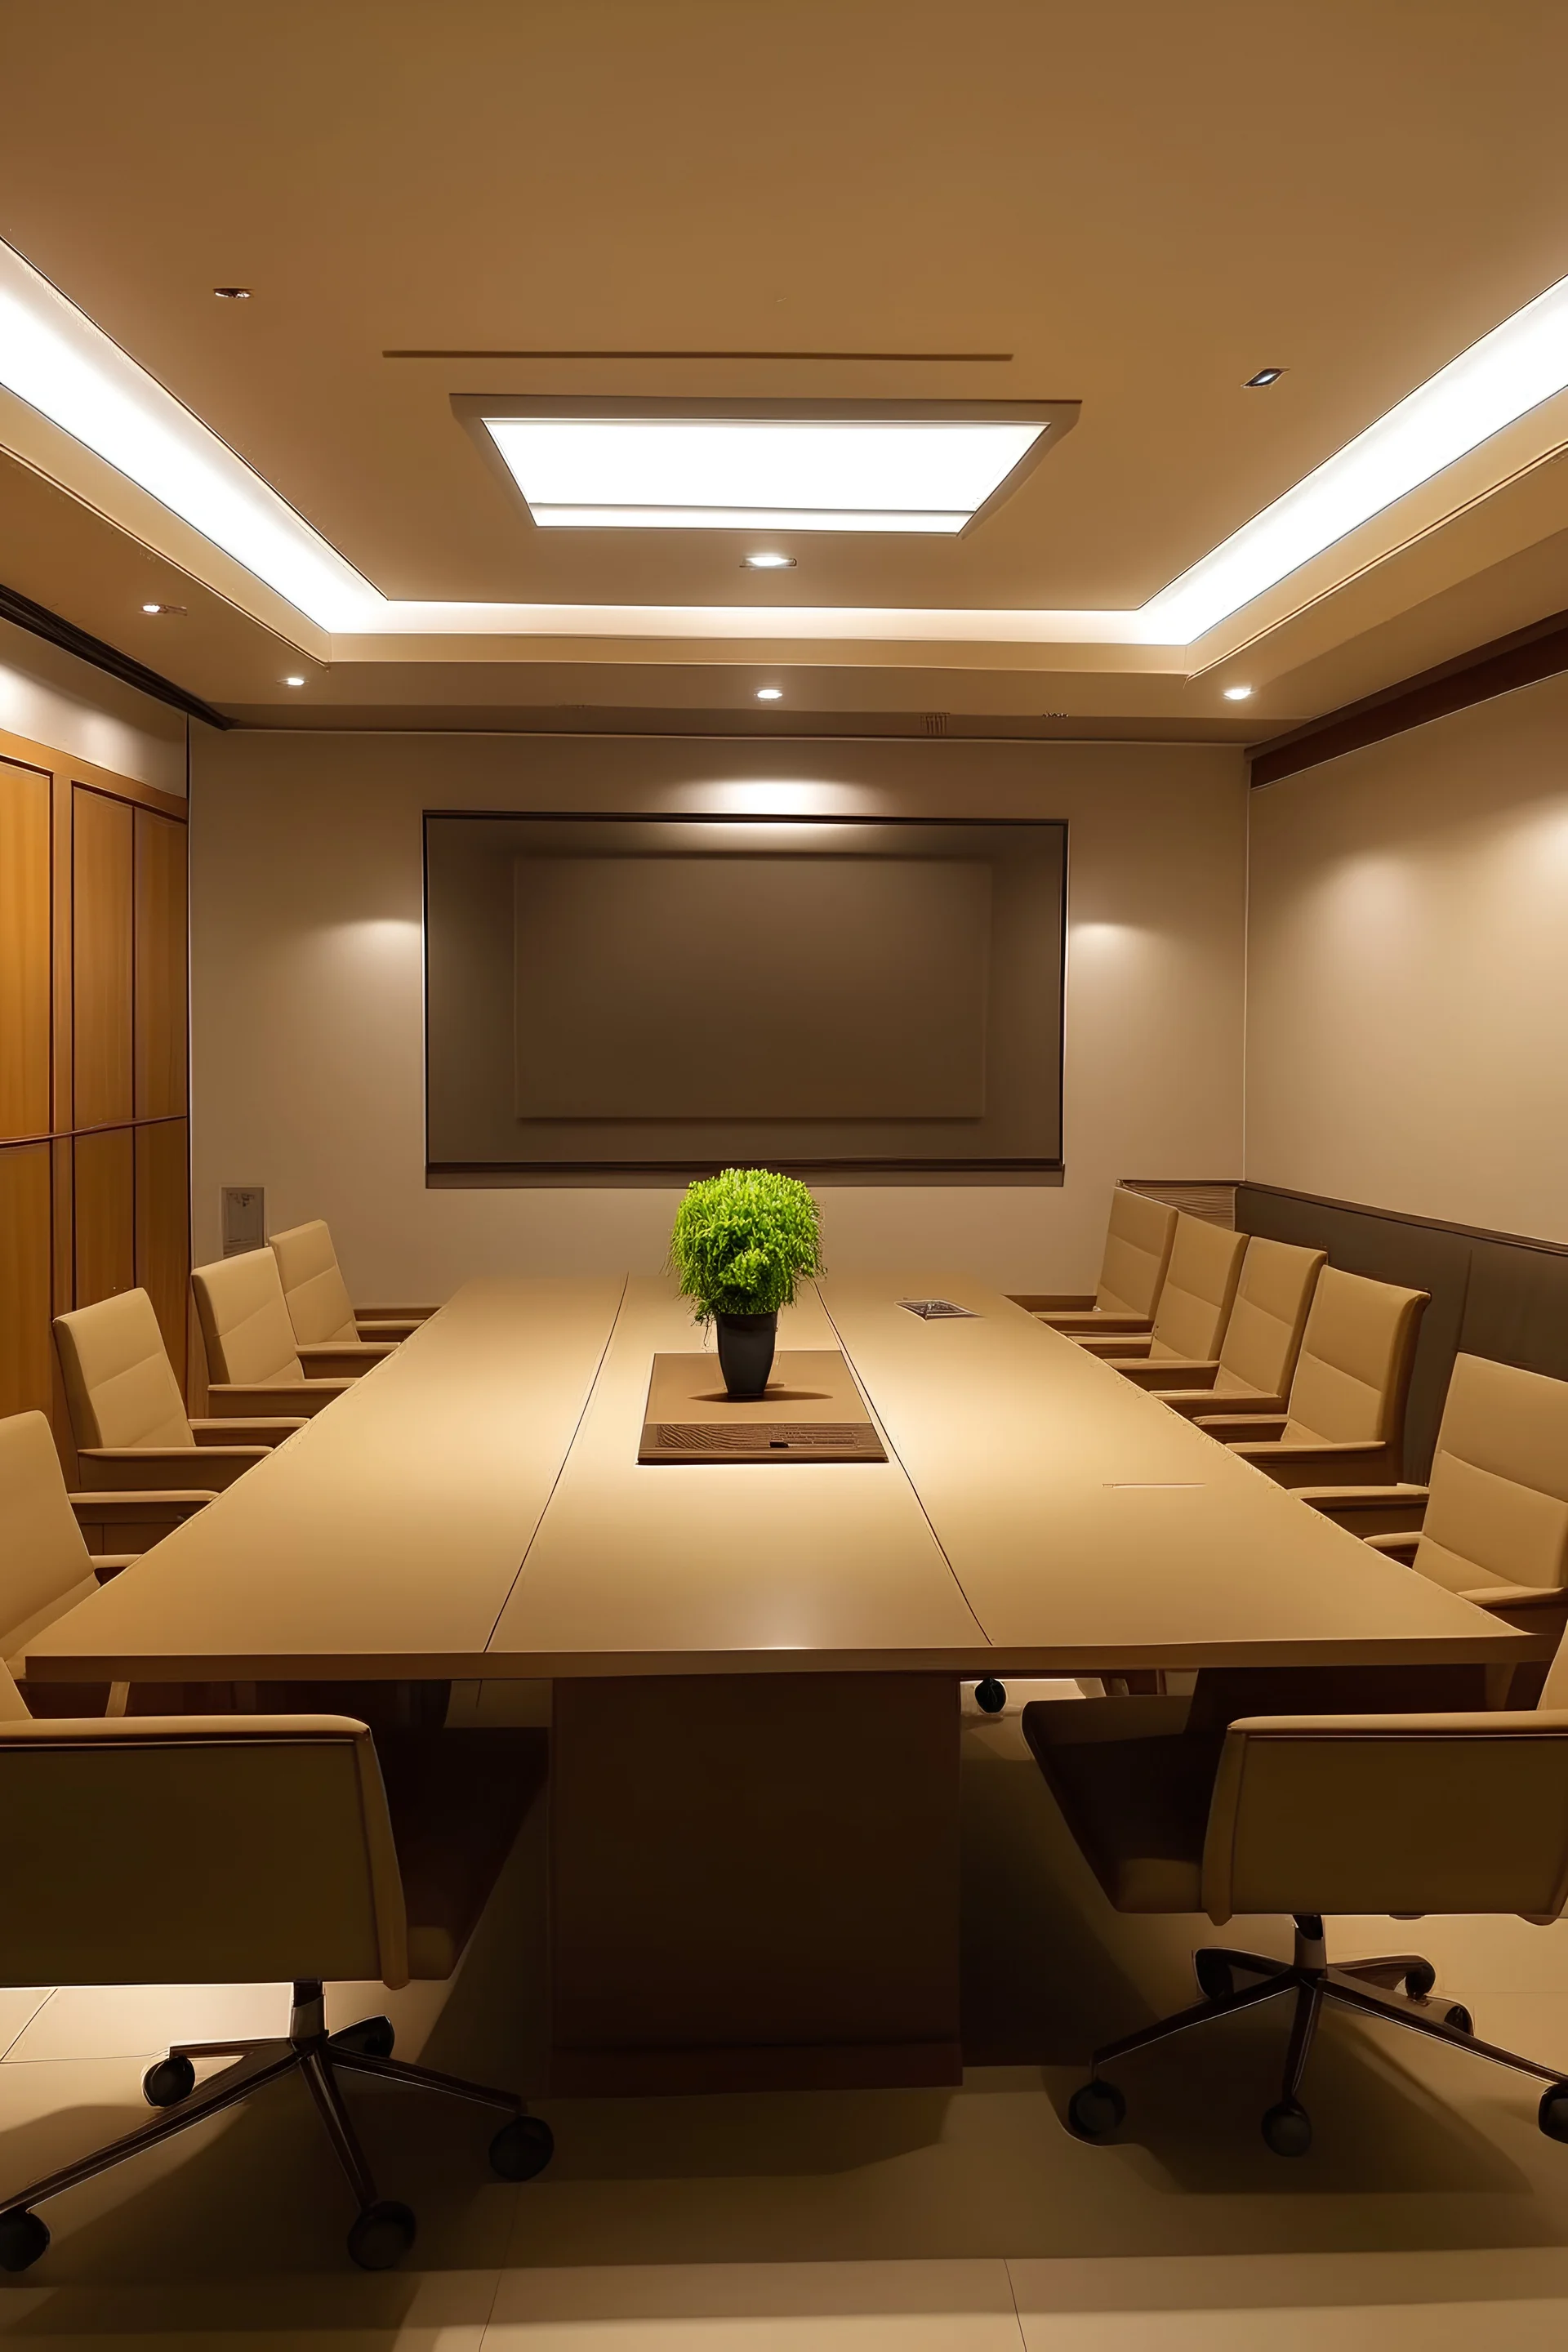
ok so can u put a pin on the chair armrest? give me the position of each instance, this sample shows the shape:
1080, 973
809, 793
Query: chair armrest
1136, 1327
232, 1399
1122, 1346
395, 1313
1189, 1372
269, 1432
1278, 1458
1391, 1543
1371, 1512
1522, 1597
1232, 1427
141, 1506
108, 1467
344, 1360
107, 1565
1042, 1302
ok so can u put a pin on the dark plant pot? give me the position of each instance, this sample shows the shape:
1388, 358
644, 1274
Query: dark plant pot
746, 1344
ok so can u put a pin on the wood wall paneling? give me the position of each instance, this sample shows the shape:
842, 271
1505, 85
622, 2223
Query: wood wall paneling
25, 929
163, 1228
105, 1214
27, 1353
103, 959
161, 1012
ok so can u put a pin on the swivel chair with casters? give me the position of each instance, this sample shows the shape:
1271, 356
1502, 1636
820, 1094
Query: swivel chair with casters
318, 1861
318, 1299
128, 1417
1137, 1241
253, 1357
1345, 1415
1257, 1359
1196, 1301
1387, 1815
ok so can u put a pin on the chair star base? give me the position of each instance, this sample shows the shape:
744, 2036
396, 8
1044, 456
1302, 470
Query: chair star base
1367, 1988
382, 2230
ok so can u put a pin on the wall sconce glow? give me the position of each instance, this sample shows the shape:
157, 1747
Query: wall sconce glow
770, 694
675, 472
1497, 381
1238, 694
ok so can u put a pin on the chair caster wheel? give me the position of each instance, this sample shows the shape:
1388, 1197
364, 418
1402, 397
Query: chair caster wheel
1551, 2115
23, 2238
372, 2037
1420, 1979
1215, 1981
1459, 2017
522, 2148
989, 1695
381, 2235
1287, 2128
167, 2083
1095, 2109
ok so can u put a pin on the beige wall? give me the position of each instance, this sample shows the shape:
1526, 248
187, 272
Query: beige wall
308, 998
1407, 1007
50, 697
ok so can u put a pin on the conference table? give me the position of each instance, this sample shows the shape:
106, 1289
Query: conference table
753, 1666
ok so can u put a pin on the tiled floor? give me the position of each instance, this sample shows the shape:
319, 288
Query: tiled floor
1430, 2213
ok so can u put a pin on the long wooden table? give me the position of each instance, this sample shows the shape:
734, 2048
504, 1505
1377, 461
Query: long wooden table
754, 1746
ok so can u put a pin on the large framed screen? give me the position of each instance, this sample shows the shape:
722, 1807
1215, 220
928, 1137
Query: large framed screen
651, 997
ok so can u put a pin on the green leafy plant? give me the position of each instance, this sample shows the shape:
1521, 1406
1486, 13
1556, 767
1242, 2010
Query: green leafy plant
743, 1240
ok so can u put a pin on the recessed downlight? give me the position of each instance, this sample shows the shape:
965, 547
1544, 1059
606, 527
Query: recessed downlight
232, 293
770, 694
167, 612
294, 681
1238, 693
1264, 376
767, 562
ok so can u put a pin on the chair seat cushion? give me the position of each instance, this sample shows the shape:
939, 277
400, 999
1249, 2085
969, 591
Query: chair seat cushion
1133, 1784
457, 1800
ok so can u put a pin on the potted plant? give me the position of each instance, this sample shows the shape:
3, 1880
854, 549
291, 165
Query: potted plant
742, 1241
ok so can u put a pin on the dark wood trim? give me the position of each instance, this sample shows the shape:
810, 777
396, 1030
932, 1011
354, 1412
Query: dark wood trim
1499, 668
1404, 1217
23, 752
58, 631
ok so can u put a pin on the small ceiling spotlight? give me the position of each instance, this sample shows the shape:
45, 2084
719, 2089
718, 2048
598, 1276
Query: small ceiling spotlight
166, 612
768, 562
232, 293
1264, 376
770, 694
1238, 693
294, 681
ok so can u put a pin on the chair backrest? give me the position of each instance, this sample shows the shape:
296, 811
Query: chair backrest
120, 1384
1353, 1371
1391, 1813
1499, 1507
12, 1705
44, 1562
314, 1290
245, 1323
1268, 1315
189, 1849
1137, 1251
1199, 1288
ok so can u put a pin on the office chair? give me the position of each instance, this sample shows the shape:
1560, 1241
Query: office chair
1311, 1814
318, 1861
46, 1567
1197, 1299
1138, 1242
1345, 1415
1257, 1359
1491, 1523
127, 1414
318, 1300
252, 1354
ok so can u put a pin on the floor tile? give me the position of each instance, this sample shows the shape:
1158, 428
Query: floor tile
399, 2311
915, 2306
19, 2005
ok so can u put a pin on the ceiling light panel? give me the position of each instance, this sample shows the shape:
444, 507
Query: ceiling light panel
624, 473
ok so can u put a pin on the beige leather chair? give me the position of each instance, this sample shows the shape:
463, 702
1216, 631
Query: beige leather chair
1381, 1814
234, 1849
1491, 1523
1257, 1359
317, 1298
1137, 1251
1345, 1418
127, 1414
1197, 1299
253, 1357
46, 1567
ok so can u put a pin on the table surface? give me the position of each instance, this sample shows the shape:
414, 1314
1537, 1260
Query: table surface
474, 1507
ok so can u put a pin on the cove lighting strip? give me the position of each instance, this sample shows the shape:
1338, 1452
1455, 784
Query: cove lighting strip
53, 358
